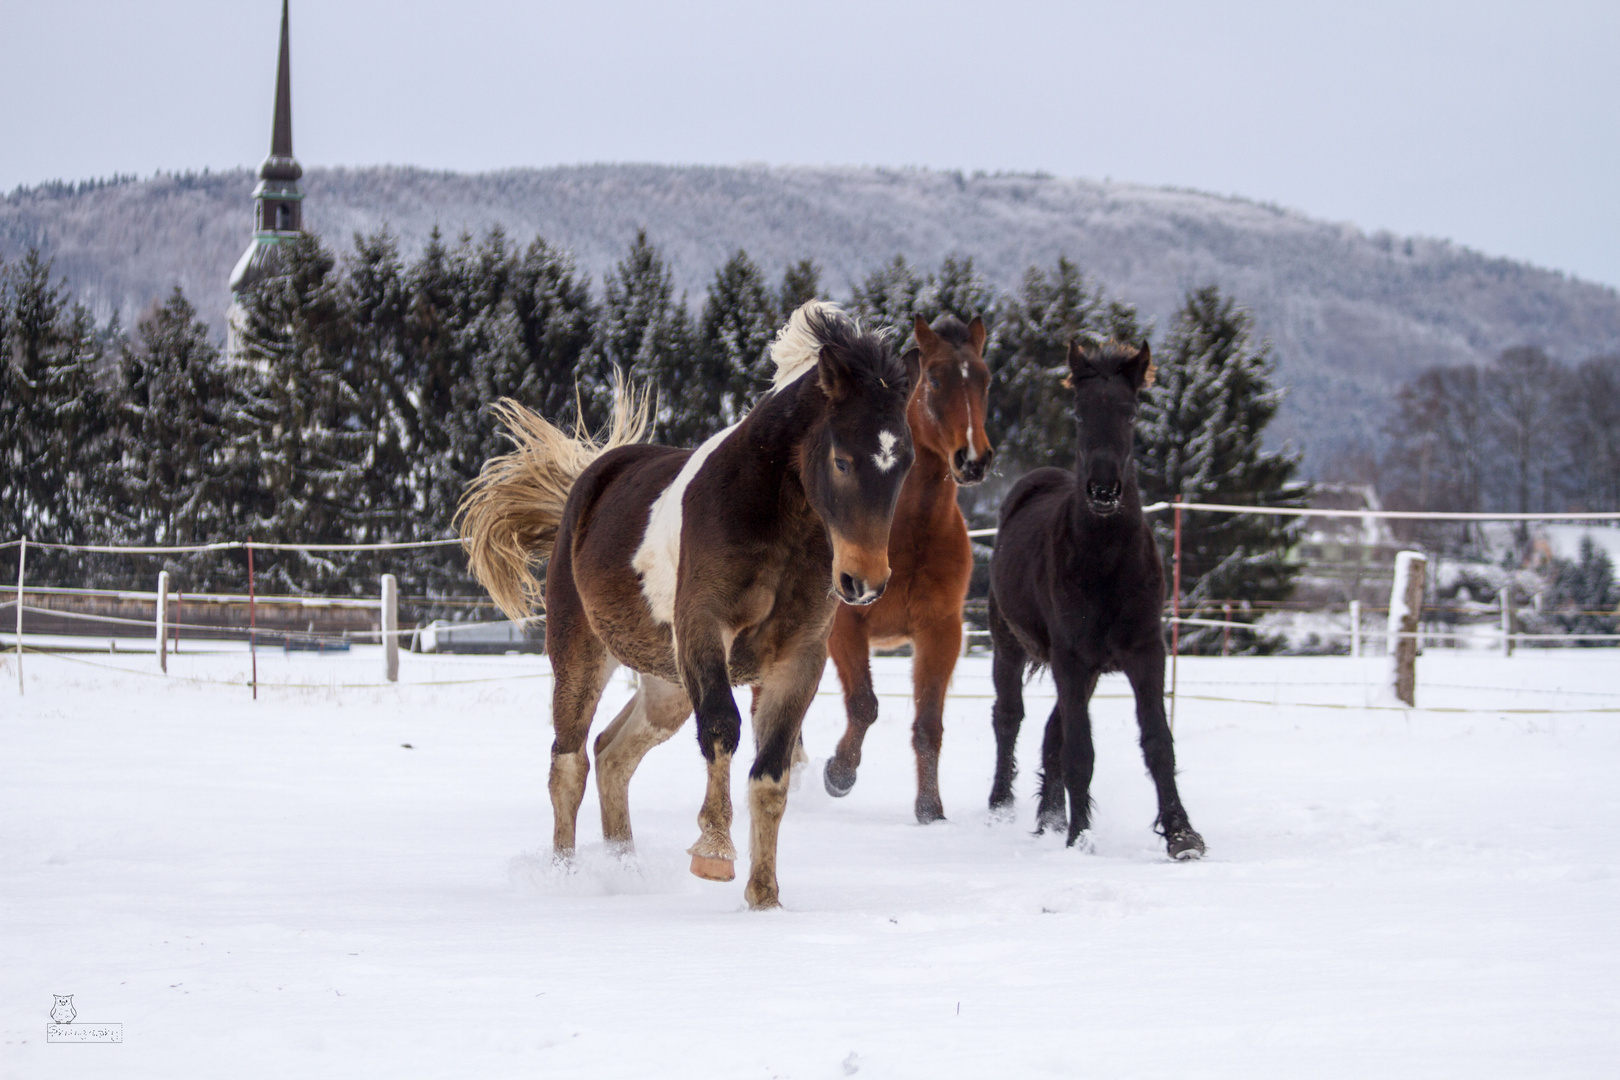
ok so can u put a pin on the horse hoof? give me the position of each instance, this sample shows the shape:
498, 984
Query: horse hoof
761, 899
1082, 843
1003, 813
1185, 845
711, 869
928, 813
839, 783
1056, 820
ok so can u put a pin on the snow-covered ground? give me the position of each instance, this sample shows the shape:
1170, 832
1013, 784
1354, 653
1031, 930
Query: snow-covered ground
282, 888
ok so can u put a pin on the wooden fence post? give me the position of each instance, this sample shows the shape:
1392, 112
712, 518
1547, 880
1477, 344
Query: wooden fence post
1505, 599
390, 626
162, 621
1355, 628
1175, 615
1405, 607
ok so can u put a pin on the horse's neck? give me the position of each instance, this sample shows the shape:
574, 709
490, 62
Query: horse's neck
767, 442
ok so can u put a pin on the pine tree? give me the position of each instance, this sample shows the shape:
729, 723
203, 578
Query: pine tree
54, 437
1199, 437
310, 420
1583, 597
957, 289
734, 336
647, 335
1031, 419
801, 283
173, 417
887, 299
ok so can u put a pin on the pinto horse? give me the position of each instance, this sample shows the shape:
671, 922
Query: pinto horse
930, 556
1076, 584
702, 570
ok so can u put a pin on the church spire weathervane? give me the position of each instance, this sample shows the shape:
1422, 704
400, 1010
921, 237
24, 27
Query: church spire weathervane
278, 202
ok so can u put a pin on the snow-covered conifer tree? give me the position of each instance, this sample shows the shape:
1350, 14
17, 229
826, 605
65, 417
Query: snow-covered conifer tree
1200, 437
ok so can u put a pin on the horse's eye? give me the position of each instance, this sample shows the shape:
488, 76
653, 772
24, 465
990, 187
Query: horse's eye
933, 380
841, 464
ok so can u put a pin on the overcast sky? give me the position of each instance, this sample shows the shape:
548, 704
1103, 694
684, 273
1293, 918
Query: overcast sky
1494, 124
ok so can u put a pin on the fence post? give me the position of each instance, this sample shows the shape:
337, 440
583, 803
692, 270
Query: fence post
162, 621
1355, 628
390, 625
1505, 598
1175, 617
22, 560
1405, 607
253, 637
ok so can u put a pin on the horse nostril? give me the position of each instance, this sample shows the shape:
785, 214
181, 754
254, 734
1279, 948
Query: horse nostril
961, 459
877, 591
848, 586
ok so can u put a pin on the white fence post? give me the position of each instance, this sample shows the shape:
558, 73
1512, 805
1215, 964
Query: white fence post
163, 621
1505, 599
390, 625
1355, 628
1405, 607
22, 560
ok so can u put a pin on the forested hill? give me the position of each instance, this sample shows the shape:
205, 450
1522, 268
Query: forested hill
1350, 314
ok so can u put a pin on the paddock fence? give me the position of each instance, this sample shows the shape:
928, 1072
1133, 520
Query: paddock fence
79, 622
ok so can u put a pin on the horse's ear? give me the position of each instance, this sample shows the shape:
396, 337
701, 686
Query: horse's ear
1140, 369
976, 334
833, 373
926, 338
912, 359
1081, 354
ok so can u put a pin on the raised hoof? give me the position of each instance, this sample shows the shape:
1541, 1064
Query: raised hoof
711, 869
1185, 845
839, 781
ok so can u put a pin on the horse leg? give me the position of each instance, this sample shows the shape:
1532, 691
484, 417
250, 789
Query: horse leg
1146, 673
1077, 756
1007, 715
1053, 810
582, 667
785, 696
801, 759
851, 648
653, 715
706, 677
934, 652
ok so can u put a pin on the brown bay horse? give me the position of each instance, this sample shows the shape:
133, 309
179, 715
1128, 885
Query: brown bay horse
702, 570
930, 556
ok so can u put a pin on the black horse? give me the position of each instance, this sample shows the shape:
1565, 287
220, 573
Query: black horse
1076, 584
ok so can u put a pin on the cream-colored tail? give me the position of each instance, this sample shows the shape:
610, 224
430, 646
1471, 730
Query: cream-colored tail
509, 516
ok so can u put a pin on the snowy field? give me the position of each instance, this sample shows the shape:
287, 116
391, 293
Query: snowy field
282, 888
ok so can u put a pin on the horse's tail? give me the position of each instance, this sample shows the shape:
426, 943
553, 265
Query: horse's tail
509, 515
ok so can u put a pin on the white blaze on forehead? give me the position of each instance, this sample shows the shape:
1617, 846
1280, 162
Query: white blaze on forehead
884, 459
658, 559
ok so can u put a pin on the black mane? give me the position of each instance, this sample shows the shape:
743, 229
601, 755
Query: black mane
870, 357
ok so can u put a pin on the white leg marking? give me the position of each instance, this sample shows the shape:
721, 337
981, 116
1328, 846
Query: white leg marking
658, 559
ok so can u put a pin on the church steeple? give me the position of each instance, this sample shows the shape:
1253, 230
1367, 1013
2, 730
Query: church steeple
278, 204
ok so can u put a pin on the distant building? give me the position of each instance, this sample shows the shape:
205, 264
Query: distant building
278, 203
1345, 558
